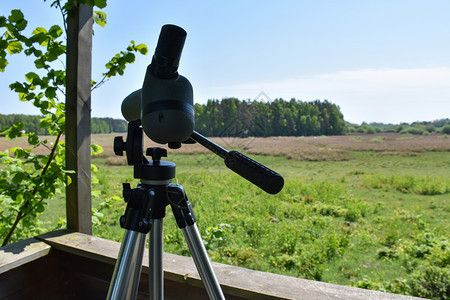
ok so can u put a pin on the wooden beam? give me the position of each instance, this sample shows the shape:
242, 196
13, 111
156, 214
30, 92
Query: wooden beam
90, 255
78, 118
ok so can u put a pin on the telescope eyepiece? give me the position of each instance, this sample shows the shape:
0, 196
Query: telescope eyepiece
167, 55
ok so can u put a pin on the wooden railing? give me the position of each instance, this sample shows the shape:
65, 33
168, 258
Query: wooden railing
78, 266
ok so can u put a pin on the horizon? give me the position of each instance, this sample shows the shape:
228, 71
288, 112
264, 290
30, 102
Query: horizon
379, 62
358, 124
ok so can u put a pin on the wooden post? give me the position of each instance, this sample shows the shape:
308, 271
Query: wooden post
78, 118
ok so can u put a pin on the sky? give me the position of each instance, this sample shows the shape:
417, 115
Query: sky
379, 61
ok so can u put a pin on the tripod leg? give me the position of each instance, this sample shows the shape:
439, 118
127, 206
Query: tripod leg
125, 280
184, 215
156, 279
201, 259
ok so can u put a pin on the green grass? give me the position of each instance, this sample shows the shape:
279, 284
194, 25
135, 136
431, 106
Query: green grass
376, 221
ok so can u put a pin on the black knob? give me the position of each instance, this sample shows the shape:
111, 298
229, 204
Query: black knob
119, 145
156, 153
126, 192
174, 145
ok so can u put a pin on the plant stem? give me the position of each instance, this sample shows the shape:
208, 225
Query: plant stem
24, 211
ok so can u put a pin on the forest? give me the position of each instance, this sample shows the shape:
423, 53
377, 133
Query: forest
32, 124
232, 117
238, 118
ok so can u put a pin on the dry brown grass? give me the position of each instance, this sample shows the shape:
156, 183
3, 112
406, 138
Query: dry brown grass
331, 148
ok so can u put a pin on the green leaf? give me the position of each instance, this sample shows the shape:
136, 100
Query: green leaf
96, 149
55, 31
5, 131
40, 30
3, 64
132, 46
100, 3
22, 96
91, 3
21, 25
11, 31
32, 77
100, 18
17, 179
16, 16
14, 47
142, 48
2, 21
33, 139
19, 153
50, 92
129, 58
15, 168
45, 123
39, 63
16, 130
39, 208
40, 36
18, 87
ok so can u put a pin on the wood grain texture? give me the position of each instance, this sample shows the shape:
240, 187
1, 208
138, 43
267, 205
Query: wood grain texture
78, 118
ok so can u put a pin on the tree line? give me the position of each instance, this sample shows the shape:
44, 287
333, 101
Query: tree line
32, 123
231, 117
422, 128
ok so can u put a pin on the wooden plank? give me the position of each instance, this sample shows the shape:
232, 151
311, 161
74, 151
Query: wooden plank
20, 253
78, 118
37, 279
237, 283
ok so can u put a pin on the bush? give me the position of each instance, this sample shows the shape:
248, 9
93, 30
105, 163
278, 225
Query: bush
369, 130
412, 130
430, 282
446, 129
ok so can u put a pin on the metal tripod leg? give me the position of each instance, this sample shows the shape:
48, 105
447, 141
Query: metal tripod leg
185, 217
156, 272
125, 280
201, 259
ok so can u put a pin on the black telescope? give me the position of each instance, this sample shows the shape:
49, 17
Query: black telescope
167, 55
165, 102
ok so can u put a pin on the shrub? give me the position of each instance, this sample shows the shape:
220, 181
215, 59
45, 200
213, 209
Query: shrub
446, 129
430, 128
430, 282
369, 130
423, 185
412, 130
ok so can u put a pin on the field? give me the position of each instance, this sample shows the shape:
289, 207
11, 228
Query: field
363, 210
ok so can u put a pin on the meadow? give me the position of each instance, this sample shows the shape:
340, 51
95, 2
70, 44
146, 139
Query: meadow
364, 210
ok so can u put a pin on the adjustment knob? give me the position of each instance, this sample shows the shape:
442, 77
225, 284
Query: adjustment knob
156, 153
119, 145
126, 191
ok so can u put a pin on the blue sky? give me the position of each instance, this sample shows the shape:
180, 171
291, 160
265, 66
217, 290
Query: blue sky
379, 61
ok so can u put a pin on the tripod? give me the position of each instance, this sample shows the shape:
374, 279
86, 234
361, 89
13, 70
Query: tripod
146, 209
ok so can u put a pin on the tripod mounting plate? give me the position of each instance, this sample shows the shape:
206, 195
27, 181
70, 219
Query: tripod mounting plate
157, 170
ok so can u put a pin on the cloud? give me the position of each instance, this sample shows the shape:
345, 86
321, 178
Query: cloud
385, 95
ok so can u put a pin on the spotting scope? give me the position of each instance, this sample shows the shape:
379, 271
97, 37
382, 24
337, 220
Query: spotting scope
164, 104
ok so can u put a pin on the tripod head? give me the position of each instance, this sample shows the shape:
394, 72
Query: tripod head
157, 171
